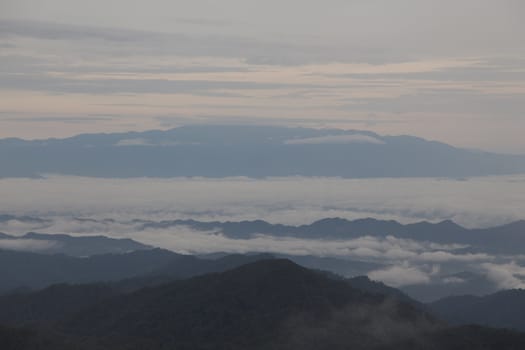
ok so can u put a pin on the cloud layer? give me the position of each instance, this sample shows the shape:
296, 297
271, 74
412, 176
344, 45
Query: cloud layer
108, 207
336, 139
475, 202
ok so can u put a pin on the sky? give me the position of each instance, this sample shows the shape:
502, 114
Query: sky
446, 70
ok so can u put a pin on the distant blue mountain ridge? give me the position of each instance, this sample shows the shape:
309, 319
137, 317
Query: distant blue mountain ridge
253, 151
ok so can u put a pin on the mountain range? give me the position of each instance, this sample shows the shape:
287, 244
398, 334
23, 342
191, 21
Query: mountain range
506, 238
502, 239
266, 304
61, 258
21, 271
43, 287
80, 246
252, 151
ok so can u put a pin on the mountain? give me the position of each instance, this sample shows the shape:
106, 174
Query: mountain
53, 303
23, 270
374, 287
25, 219
56, 301
504, 239
267, 304
12, 338
505, 309
463, 283
461, 338
253, 151
500, 239
33, 270
340, 266
81, 246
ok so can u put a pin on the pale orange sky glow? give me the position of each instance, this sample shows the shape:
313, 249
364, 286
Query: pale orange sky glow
392, 69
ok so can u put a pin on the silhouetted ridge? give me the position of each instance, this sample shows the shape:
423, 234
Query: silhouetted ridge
505, 309
500, 239
139, 268
261, 303
265, 305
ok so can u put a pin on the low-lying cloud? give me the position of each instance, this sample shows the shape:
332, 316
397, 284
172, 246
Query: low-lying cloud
84, 206
398, 276
291, 200
406, 262
336, 139
506, 276
29, 245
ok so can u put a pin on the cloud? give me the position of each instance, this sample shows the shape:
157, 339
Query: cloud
452, 280
50, 83
84, 206
487, 70
253, 50
15, 226
336, 139
383, 250
145, 142
57, 31
293, 200
134, 142
505, 276
30, 245
442, 256
459, 100
379, 250
398, 276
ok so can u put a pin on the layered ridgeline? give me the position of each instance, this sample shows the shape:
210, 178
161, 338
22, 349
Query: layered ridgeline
269, 304
25, 271
505, 239
169, 294
458, 261
253, 151
508, 238
505, 309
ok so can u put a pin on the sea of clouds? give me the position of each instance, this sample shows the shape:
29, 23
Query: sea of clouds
111, 205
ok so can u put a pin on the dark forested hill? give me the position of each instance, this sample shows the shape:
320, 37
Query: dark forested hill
268, 304
259, 305
32, 270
